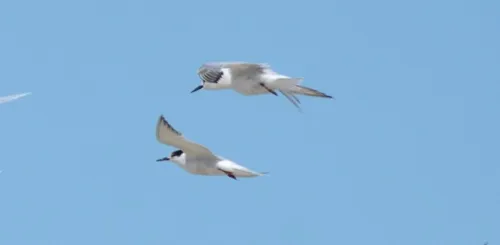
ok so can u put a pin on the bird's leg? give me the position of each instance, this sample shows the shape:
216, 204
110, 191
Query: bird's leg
229, 174
268, 89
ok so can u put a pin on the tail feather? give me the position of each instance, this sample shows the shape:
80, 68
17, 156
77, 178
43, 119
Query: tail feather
287, 83
292, 98
298, 89
290, 87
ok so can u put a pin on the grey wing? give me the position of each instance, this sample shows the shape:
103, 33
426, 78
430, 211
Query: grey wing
210, 73
168, 135
246, 71
239, 70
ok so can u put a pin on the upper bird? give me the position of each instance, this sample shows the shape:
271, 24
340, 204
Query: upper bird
252, 79
195, 158
12, 97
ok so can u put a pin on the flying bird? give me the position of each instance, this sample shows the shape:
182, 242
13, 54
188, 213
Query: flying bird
252, 79
10, 98
195, 158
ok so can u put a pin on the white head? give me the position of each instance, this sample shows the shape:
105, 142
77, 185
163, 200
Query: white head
177, 156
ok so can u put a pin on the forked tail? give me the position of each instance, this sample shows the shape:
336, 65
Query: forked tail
298, 89
290, 88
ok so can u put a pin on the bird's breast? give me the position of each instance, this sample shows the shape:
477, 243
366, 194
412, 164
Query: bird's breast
226, 80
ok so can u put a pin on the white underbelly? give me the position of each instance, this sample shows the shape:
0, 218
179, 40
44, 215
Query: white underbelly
201, 169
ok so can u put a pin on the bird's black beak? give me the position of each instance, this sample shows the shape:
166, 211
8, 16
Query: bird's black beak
197, 88
163, 159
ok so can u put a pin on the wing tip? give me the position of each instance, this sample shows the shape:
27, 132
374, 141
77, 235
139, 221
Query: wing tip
163, 122
161, 118
158, 127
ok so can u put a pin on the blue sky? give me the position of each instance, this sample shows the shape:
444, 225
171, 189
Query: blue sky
407, 154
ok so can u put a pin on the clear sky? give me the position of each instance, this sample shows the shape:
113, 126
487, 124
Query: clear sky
407, 154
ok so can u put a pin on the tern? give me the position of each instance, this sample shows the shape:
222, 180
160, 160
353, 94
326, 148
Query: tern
12, 97
252, 79
195, 158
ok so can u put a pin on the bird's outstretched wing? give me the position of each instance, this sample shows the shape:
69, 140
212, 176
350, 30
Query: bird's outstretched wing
168, 135
9, 98
210, 73
247, 71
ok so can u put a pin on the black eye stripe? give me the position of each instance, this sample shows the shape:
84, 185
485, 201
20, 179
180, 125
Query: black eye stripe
176, 153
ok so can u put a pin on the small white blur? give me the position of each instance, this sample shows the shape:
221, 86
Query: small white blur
12, 97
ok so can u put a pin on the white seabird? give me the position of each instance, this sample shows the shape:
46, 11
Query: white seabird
196, 158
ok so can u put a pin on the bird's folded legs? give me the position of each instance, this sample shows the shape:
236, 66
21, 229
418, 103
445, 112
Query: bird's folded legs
268, 89
229, 174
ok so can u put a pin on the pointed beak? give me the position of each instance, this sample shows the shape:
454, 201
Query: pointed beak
197, 88
163, 159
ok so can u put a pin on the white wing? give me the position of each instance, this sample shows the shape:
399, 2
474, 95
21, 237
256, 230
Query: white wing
168, 135
9, 98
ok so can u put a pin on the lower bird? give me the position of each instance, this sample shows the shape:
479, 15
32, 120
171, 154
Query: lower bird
252, 79
195, 158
